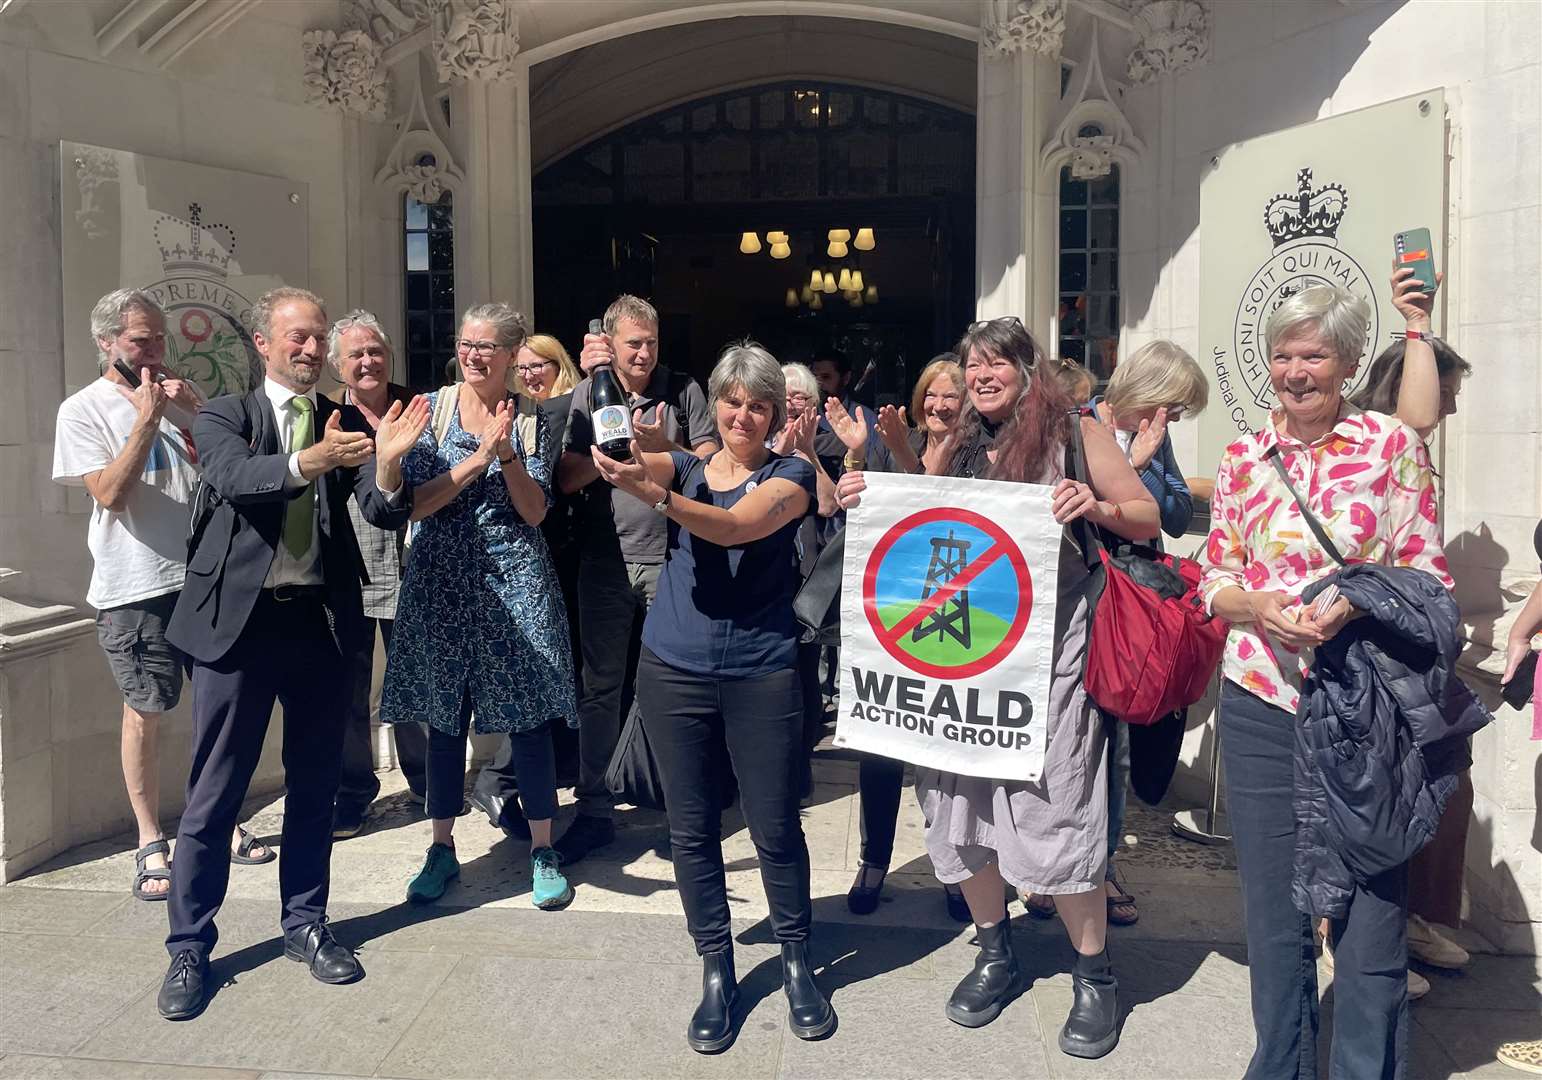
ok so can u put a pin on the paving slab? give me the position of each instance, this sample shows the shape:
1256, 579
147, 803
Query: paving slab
58, 991
50, 911
33, 1067
270, 1014
1469, 1037
504, 1016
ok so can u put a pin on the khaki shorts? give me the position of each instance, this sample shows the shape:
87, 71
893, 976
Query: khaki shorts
147, 668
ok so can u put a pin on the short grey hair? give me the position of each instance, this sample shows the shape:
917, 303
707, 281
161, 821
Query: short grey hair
356, 319
1340, 316
627, 306
800, 380
509, 325
107, 316
749, 367
273, 299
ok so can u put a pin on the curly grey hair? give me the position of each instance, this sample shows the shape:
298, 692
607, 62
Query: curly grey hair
509, 325
107, 317
749, 367
356, 318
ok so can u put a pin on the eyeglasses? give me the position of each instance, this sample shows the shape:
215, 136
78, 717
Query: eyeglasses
1005, 320
527, 370
481, 348
799, 399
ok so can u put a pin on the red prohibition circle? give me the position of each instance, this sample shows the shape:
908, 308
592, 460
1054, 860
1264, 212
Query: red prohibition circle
200, 335
1010, 552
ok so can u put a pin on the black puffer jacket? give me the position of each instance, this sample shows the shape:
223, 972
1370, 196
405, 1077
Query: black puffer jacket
1380, 734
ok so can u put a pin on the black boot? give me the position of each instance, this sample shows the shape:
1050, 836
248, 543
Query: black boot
712, 1024
1092, 1029
993, 981
808, 1010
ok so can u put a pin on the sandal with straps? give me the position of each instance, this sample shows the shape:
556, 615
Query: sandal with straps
143, 873
1121, 905
243, 852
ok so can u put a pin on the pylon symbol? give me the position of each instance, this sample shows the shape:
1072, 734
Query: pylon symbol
949, 557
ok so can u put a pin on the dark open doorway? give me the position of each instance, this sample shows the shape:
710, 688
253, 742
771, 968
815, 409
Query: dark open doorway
662, 206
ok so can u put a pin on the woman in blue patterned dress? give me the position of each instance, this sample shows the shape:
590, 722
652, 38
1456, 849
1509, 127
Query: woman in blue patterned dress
480, 627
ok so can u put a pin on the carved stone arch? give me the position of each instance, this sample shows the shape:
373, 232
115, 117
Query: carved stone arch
420, 162
1093, 132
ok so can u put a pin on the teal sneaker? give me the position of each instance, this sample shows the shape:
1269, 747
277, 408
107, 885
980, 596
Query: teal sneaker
439, 869
548, 888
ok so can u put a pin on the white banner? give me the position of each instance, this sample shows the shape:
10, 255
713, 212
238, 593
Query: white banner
947, 624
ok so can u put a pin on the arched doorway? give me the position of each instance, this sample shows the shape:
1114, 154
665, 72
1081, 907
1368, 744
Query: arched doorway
662, 207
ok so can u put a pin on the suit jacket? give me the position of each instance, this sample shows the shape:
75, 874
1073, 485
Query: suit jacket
238, 523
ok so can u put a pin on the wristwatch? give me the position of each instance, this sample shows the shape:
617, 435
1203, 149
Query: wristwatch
663, 504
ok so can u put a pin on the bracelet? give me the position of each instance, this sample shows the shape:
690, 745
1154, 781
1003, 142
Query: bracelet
1414, 335
853, 463
506, 460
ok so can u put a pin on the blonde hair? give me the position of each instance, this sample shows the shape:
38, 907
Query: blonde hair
627, 306
549, 348
1155, 375
945, 364
1074, 379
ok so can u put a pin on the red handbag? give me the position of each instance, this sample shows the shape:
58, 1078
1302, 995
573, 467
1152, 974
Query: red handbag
1152, 648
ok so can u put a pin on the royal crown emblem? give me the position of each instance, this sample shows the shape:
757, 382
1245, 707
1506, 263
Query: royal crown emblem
1307, 212
193, 248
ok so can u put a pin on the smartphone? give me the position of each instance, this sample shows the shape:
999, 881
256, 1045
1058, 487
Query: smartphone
1413, 250
127, 372
1517, 692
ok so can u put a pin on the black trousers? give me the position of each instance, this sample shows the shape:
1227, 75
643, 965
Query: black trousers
880, 781
286, 653
698, 726
359, 784
530, 761
1370, 945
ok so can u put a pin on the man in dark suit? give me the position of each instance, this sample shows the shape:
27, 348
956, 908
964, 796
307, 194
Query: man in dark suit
272, 590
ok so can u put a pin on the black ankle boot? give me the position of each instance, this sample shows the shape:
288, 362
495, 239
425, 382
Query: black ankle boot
992, 982
712, 1024
809, 1011
1092, 1029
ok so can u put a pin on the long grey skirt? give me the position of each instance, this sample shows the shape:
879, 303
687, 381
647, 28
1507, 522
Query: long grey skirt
1050, 836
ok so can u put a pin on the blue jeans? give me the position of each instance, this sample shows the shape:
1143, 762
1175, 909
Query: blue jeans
1370, 945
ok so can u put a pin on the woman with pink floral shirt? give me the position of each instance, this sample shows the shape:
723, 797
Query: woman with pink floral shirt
1367, 479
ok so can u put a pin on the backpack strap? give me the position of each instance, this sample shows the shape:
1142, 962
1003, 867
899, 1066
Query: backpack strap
1076, 469
444, 411
1277, 460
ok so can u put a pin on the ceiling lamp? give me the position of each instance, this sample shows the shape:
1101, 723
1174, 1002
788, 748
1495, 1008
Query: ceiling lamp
816, 280
749, 243
779, 248
844, 282
837, 247
776, 237
792, 298
856, 299
856, 281
807, 295
872, 294
864, 240
829, 285
817, 303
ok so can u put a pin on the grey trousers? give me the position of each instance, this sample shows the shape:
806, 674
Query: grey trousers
613, 598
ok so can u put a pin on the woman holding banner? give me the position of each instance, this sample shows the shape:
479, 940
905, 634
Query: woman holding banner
1046, 836
717, 681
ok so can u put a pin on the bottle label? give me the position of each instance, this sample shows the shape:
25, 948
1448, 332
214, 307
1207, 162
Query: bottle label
612, 422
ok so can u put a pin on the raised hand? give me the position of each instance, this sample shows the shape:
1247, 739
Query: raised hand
650, 436
630, 476
336, 448
894, 428
149, 399
786, 439
1409, 297
849, 429
803, 430
597, 350
494, 440
400, 428
1148, 440
184, 394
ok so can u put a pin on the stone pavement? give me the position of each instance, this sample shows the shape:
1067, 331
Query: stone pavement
483, 985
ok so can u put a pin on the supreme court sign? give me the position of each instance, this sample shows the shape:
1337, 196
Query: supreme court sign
947, 617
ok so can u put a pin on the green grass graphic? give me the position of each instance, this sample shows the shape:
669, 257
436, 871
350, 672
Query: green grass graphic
986, 632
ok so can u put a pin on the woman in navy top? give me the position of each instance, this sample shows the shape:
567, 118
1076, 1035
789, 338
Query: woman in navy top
717, 682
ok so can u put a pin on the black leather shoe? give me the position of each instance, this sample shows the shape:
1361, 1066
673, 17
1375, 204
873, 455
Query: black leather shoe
958, 907
865, 892
808, 1010
502, 814
712, 1024
1092, 1029
314, 945
182, 994
991, 983
587, 833
348, 821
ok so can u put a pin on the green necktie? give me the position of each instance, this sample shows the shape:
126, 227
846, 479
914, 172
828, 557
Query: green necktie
301, 513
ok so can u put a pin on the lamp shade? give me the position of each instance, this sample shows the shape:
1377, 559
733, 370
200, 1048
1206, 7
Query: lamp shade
807, 295
865, 240
817, 303
816, 279
780, 250
837, 249
829, 285
844, 281
856, 280
839, 236
792, 298
871, 295
749, 243
776, 236
856, 299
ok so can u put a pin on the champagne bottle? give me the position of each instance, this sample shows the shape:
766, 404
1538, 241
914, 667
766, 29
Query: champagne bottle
608, 410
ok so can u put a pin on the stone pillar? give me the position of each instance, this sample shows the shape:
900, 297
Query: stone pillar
1019, 88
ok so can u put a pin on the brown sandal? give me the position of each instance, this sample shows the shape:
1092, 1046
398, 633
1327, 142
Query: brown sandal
1040, 906
1121, 906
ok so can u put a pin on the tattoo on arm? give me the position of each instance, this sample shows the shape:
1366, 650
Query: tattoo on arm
780, 505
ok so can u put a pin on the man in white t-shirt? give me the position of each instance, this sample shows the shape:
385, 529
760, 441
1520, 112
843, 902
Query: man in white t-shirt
130, 449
